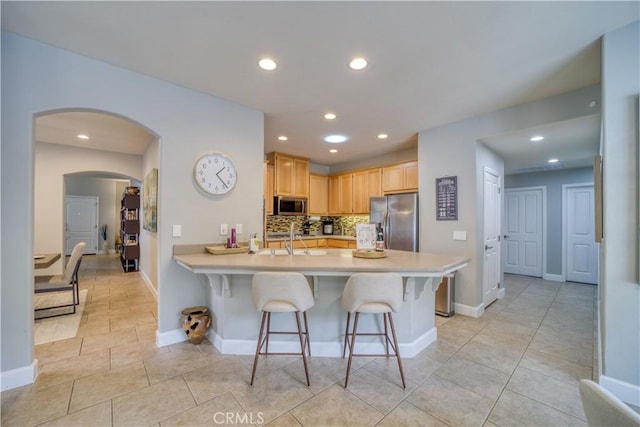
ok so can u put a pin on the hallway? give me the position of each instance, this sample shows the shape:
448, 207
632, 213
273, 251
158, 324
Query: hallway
518, 364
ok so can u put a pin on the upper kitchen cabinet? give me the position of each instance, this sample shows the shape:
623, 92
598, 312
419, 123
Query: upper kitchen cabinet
366, 184
268, 189
340, 194
318, 194
291, 174
400, 178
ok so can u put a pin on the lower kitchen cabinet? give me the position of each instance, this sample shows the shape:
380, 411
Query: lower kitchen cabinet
341, 243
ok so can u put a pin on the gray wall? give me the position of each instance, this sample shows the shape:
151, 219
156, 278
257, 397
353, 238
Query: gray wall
553, 180
38, 78
619, 291
451, 150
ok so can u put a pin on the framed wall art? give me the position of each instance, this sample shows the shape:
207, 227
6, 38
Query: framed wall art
150, 201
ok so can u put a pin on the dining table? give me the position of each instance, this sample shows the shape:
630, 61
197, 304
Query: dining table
45, 260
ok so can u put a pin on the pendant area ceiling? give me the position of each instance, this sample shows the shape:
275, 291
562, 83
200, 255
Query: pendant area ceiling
429, 63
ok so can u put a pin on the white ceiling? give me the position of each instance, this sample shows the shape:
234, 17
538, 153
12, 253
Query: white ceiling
430, 63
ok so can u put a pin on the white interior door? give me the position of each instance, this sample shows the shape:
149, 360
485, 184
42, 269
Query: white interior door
582, 249
492, 212
81, 223
523, 231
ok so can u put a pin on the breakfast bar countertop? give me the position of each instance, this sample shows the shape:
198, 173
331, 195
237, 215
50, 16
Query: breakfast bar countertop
336, 262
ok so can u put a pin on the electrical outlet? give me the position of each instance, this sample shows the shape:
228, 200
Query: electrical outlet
224, 230
238, 228
176, 230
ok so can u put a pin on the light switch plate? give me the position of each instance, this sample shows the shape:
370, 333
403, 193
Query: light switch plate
176, 230
224, 230
459, 235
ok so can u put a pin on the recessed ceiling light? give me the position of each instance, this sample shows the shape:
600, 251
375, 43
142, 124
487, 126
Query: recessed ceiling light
382, 136
282, 138
358, 63
553, 161
329, 116
536, 138
335, 139
333, 150
83, 136
267, 64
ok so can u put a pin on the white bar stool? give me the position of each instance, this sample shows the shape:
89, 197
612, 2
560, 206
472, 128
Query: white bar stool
377, 293
281, 292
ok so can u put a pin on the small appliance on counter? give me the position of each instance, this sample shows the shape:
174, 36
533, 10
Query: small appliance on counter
305, 228
327, 227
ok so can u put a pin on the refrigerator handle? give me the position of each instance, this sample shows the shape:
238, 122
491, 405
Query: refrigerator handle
386, 229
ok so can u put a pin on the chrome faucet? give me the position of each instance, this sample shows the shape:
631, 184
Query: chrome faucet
289, 246
306, 249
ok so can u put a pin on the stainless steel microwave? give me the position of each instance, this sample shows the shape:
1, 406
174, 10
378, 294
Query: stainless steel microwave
289, 205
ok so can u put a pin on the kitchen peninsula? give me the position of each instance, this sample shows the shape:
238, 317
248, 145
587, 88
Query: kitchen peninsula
235, 321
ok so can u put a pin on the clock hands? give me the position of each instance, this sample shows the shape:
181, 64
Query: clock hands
221, 180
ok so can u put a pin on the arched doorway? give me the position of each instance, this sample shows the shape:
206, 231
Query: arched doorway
88, 153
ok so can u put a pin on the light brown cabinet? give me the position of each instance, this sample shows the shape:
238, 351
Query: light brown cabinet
341, 243
318, 194
340, 194
402, 177
366, 184
268, 189
297, 244
291, 175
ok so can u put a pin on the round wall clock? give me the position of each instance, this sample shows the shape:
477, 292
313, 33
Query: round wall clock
215, 173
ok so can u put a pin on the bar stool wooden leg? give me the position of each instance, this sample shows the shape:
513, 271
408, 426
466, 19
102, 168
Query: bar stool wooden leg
258, 346
353, 344
302, 348
346, 335
395, 345
386, 333
266, 349
306, 329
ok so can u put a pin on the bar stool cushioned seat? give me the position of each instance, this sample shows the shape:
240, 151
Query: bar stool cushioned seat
281, 292
377, 293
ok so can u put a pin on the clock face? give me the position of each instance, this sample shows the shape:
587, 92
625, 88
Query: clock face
215, 173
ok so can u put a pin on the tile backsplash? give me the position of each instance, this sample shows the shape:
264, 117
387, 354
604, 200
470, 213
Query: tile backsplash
281, 223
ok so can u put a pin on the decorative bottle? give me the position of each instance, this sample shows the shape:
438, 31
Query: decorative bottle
380, 239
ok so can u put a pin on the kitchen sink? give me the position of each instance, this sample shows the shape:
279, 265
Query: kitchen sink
295, 252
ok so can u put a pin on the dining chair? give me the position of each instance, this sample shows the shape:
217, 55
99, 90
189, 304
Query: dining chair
61, 283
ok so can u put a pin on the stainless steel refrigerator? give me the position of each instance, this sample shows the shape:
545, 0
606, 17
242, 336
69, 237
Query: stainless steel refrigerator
398, 214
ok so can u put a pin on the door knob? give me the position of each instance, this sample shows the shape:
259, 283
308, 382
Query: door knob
506, 236
486, 247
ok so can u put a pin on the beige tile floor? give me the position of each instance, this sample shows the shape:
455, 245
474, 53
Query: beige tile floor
517, 365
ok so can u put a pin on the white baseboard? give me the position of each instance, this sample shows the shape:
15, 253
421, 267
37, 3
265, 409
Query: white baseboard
501, 293
164, 339
149, 284
319, 348
553, 277
626, 392
467, 310
19, 377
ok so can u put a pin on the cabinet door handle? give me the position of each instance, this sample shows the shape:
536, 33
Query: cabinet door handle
486, 247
